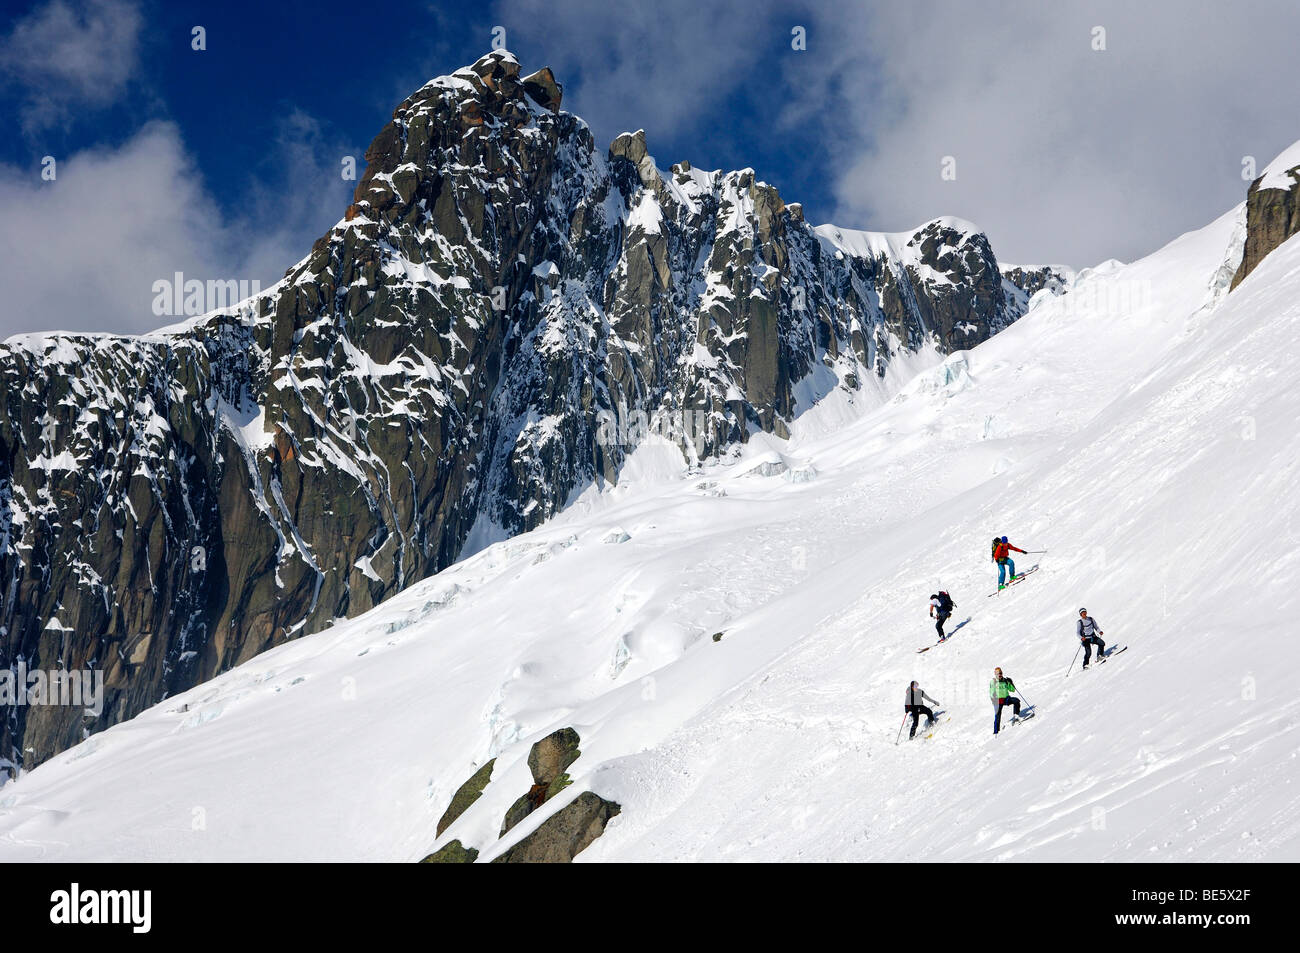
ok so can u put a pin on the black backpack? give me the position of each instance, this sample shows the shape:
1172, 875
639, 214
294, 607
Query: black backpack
945, 602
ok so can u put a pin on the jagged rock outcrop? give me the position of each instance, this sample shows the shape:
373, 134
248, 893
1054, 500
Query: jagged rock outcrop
551, 757
501, 314
1272, 211
1031, 279
465, 795
564, 834
548, 760
453, 852
560, 837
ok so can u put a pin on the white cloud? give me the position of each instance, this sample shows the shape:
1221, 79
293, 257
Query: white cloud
82, 252
64, 56
1064, 153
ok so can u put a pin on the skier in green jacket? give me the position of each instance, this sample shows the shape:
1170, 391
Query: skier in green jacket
1000, 690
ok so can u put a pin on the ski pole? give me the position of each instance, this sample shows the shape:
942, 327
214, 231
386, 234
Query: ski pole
900, 729
1073, 660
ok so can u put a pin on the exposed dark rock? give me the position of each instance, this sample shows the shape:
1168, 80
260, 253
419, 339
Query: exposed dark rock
524, 806
1031, 280
565, 834
543, 88
465, 795
453, 852
551, 757
1272, 216
547, 760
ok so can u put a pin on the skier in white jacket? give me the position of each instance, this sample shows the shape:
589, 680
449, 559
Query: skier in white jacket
1089, 633
913, 704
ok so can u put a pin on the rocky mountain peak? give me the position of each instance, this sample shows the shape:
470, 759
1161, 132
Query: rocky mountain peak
499, 73
503, 314
631, 147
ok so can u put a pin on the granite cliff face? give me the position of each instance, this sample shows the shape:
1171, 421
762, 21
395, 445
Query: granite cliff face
1272, 210
502, 313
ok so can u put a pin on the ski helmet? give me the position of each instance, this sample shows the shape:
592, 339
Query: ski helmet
1082, 611
1004, 539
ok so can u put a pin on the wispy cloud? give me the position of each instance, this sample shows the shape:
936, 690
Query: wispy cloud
65, 56
1063, 151
82, 252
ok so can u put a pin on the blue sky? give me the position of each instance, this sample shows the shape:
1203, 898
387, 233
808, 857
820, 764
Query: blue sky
225, 161
266, 62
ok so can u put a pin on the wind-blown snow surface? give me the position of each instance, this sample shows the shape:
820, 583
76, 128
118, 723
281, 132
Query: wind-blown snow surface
1145, 440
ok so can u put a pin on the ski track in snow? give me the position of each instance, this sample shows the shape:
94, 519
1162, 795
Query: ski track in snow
1115, 439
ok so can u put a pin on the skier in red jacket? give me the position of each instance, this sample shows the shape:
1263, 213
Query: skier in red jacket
1002, 551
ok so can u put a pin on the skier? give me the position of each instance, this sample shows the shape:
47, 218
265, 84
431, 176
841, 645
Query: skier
1002, 550
912, 704
1088, 634
1000, 690
941, 606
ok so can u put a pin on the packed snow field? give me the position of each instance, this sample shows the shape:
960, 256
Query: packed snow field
1140, 429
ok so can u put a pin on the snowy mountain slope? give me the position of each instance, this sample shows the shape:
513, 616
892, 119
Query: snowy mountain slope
1159, 516
1144, 440
484, 334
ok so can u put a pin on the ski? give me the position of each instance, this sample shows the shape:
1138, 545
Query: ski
1102, 658
1017, 579
929, 732
926, 648
1024, 716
